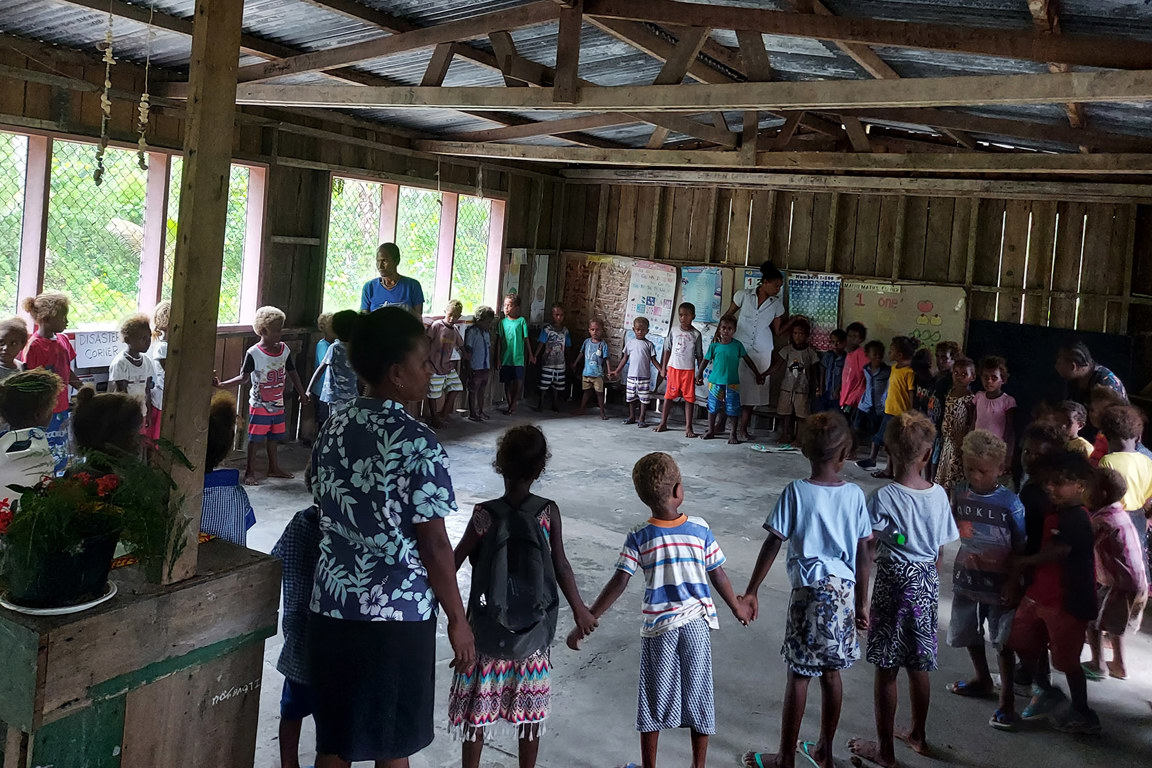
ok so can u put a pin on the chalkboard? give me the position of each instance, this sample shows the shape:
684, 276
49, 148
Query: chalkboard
930, 313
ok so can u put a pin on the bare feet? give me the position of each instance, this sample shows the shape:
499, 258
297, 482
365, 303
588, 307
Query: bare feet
555, 408
251, 480
916, 744
747, 436
603, 416
579, 411
870, 751
709, 435
733, 440
691, 434
280, 473
485, 416
1117, 670
661, 428
757, 759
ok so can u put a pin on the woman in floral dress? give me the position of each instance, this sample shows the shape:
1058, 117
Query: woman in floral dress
959, 414
380, 482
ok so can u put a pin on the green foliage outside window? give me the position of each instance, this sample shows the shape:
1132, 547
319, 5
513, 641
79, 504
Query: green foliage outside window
418, 236
473, 220
13, 164
353, 229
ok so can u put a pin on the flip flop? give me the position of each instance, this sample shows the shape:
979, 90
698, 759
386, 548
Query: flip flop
760, 447
962, 688
805, 749
628, 765
1092, 674
752, 759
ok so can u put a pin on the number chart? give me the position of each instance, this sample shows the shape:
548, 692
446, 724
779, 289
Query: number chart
816, 297
929, 313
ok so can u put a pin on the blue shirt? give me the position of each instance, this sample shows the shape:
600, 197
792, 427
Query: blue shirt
340, 382
833, 371
479, 342
595, 355
321, 351
911, 524
992, 529
875, 388
377, 473
822, 525
225, 511
407, 293
299, 548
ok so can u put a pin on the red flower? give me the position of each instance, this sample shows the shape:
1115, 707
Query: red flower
84, 478
5, 515
106, 484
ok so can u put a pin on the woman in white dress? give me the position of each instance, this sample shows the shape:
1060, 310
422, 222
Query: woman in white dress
760, 317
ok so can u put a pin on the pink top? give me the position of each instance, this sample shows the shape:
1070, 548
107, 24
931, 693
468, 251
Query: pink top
55, 354
852, 382
1118, 551
992, 415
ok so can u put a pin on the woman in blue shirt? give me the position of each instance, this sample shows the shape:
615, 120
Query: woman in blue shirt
391, 289
380, 481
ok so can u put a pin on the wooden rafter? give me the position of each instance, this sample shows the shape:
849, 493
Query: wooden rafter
1047, 20
1028, 44
567, 80
644, 39
674, 69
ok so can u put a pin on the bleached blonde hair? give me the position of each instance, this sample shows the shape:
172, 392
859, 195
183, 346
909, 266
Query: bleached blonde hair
266, 316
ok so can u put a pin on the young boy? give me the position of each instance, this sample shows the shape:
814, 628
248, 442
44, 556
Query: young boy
874, 393
478, 358
683, 352
801, 372
316, 384
640, 356
1074, 417
725, 355
1052, 619
825, 522
594, 353
268, 365
514, 338
1122, 426
992, 532
1121, 584
131, 370
678, 556
13, 337
443, 353
852, 383
552, 350
832, 371
901, 384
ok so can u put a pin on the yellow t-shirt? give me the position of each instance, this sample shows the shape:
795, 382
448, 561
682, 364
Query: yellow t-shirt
1080, 445
900, 385
1136, 468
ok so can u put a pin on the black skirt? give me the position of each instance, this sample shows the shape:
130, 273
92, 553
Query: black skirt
373, 686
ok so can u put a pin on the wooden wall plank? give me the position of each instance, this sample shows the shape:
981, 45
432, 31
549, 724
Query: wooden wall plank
722, 224
1094, 267
703, 224
626, 222
1066, 269
938, 242
846, 224
612, 228
1142, 257
886, 235
680, 224
1037, 276
1119, 276
986, 265
739, 226
1013, 259
818, 240
958, 245
915, 236
801, 238
646, 201
866, 238
781, 229
760, 226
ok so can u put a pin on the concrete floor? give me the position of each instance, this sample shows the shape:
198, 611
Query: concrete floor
733, 487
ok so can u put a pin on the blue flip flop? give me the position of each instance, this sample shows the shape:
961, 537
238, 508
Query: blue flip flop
752, 760
805, 749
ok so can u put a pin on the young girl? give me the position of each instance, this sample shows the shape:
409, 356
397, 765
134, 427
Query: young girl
825, 522
924, 385
478, 361
13, 337
334, 374
1122, 426
901, 384
50, 349
133, 372
996, 410
320, 406
161, 316
911, 522
26, 403
1101, 399
958, 414
107, 423
225, 511
515, 693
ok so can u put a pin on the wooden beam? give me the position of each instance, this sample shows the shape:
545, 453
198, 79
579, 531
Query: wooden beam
1028, 44
546, 128
757, 65
953, 162
438, 65
644, 39
532, 14
1047, 20
657, 139
857, 135
683, 54
567, 83
200, 254
787, 131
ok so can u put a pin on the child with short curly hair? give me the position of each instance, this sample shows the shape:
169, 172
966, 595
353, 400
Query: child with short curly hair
995, 409
107, 423
225, 511
133, 372
26, 403
49, 348
13, 338
445, 343
269, 367
1122, 426
1074, 417
478, 361
158, 351
320, 407
958, 413
499, 690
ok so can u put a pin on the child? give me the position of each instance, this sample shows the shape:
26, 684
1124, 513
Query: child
26, 403
1053, 617
832, 371
1075, 418
801, 375
320, 406
958, 412
852, 383
106, 423
1101, 399
1122, 426
996, 410
49, 348
13, 338
268, 365
947, 353
992, 532
911, 522
1122, 587
679, 556
478, 356
553, 343
514, 335
725, 355
299, 549
924, 385
683, 352
825, 522
901, 384
444, 346
132, 371
640, 355
225, 510
339, 383
513, 690
869, 409
158, 351
594, 353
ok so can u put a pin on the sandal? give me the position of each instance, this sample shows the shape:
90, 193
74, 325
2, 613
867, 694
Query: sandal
966, 689
1002, 721
753, 759
805, 749
1094, 675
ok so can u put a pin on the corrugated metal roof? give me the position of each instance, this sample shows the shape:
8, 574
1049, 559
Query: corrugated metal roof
605, 60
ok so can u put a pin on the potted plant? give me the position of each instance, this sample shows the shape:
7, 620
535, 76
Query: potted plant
59, 536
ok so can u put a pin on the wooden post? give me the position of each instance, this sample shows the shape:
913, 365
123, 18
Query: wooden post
898, 240
200, 253
566, 86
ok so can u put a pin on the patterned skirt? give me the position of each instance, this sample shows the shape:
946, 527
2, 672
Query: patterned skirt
904, 613
501, 693
821, 633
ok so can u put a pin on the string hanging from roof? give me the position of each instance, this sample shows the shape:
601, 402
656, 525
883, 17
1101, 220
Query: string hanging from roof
105, 101
144, 108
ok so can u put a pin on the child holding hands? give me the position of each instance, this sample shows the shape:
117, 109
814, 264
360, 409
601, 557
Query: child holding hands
679, 556
911, 522
683, 351
958, 414
594, 353
478, 359
725, 355
640, 357
132, 371
825, 522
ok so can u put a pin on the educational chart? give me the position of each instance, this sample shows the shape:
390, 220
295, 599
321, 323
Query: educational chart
930, 313
703, 287
652, 294
539, 310
816, 297
749, 278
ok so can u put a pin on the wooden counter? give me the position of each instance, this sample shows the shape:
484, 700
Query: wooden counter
157, 676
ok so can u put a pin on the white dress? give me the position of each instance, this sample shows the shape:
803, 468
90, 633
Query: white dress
754, 331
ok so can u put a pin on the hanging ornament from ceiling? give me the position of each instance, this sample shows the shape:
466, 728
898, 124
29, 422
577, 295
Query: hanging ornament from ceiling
105, 101
144, 108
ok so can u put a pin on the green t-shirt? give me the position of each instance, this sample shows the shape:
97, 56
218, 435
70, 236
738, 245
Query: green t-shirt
515, 334
725, 362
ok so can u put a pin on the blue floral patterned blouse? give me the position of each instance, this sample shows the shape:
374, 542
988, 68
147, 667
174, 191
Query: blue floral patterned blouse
377, 473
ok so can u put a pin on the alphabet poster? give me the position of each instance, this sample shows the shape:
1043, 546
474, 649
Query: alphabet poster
930, 313
704, 288
816, 297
